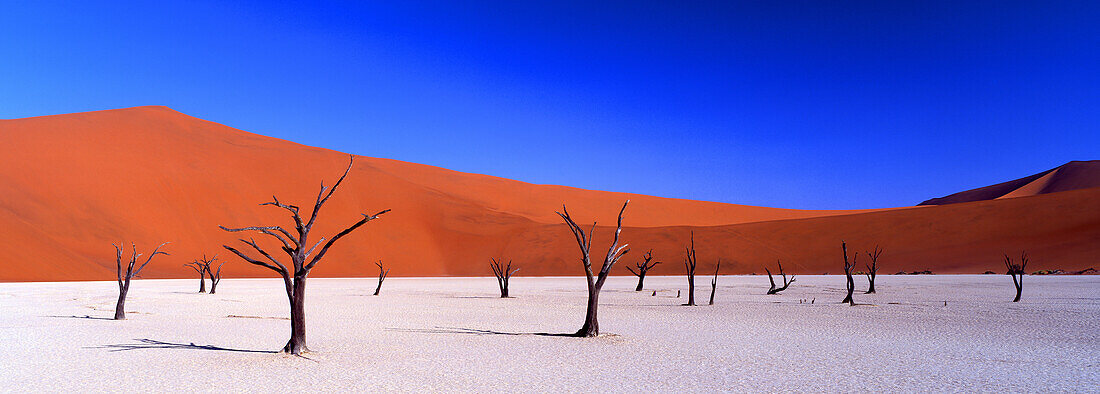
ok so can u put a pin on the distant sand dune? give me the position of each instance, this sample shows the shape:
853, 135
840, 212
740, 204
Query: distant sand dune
70, 185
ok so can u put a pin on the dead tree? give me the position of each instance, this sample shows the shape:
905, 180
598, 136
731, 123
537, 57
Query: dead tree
848, 273
872, 269
714, 282
689, 266
215, 276
382, 274
615, 252
201, 269
125, 276
1016, 271
643, 267
503, 274
786, 283
302, 259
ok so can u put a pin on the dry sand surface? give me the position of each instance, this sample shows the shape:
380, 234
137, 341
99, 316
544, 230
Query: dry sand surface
454, 334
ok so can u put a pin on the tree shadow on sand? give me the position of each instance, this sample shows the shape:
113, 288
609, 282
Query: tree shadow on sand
147, 343
474, 331
82, 317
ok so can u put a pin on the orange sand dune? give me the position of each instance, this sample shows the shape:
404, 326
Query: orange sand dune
1070, 176
70, 185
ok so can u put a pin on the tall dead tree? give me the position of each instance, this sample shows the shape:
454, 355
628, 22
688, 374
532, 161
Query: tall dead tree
503, 274
215, 276
786, 283
615, 252
714, 282
382, 274
1016, 271
298, 249
689, 266
643, 268
872, 269
125, 276
201, 269
848, 273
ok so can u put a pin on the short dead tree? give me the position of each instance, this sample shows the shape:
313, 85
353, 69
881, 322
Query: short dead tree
615, 252
503, 273
714, 282
848, 274
382, 274
786, 283
643, 268
1016, 271
201, 269
300, 253
689, 266
872, 269
215, 275
125, 276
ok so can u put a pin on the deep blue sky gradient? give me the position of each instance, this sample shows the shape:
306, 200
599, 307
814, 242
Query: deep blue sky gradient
814, 104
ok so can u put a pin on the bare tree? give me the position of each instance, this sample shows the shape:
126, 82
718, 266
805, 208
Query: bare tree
215, 276
689, 265
503, 274
125, 276
848, 273
1016, 271
615, 252
714, 282
382, 274
643, 267
872, 269
302, 259
201, 269
786, 283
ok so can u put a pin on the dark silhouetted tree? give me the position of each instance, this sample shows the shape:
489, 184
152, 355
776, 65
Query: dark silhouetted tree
848, 274
215, 275
382, 274
689, 265
786, 283
125, 276
503, 274
872, 269
302, 259
643, 268
714, 282
615, 252
1016, 271
201, 269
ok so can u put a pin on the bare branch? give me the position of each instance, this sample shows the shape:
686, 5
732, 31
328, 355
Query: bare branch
366, 218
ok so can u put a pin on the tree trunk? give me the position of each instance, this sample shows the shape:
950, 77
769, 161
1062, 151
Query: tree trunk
871, 288
1019, 287
297, 343
120, 307
641, 278
504, 289
202, 284
213, 285
713, 289
691, 290
379, 288
591, 326
851, 288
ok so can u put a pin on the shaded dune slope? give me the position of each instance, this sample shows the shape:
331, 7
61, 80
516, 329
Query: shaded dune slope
1070, 176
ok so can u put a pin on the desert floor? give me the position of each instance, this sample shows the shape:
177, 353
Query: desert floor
455, 334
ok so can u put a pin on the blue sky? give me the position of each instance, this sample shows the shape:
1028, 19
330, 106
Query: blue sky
815, 105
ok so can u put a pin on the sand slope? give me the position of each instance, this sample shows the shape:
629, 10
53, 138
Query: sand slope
70, 185
1070, 176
